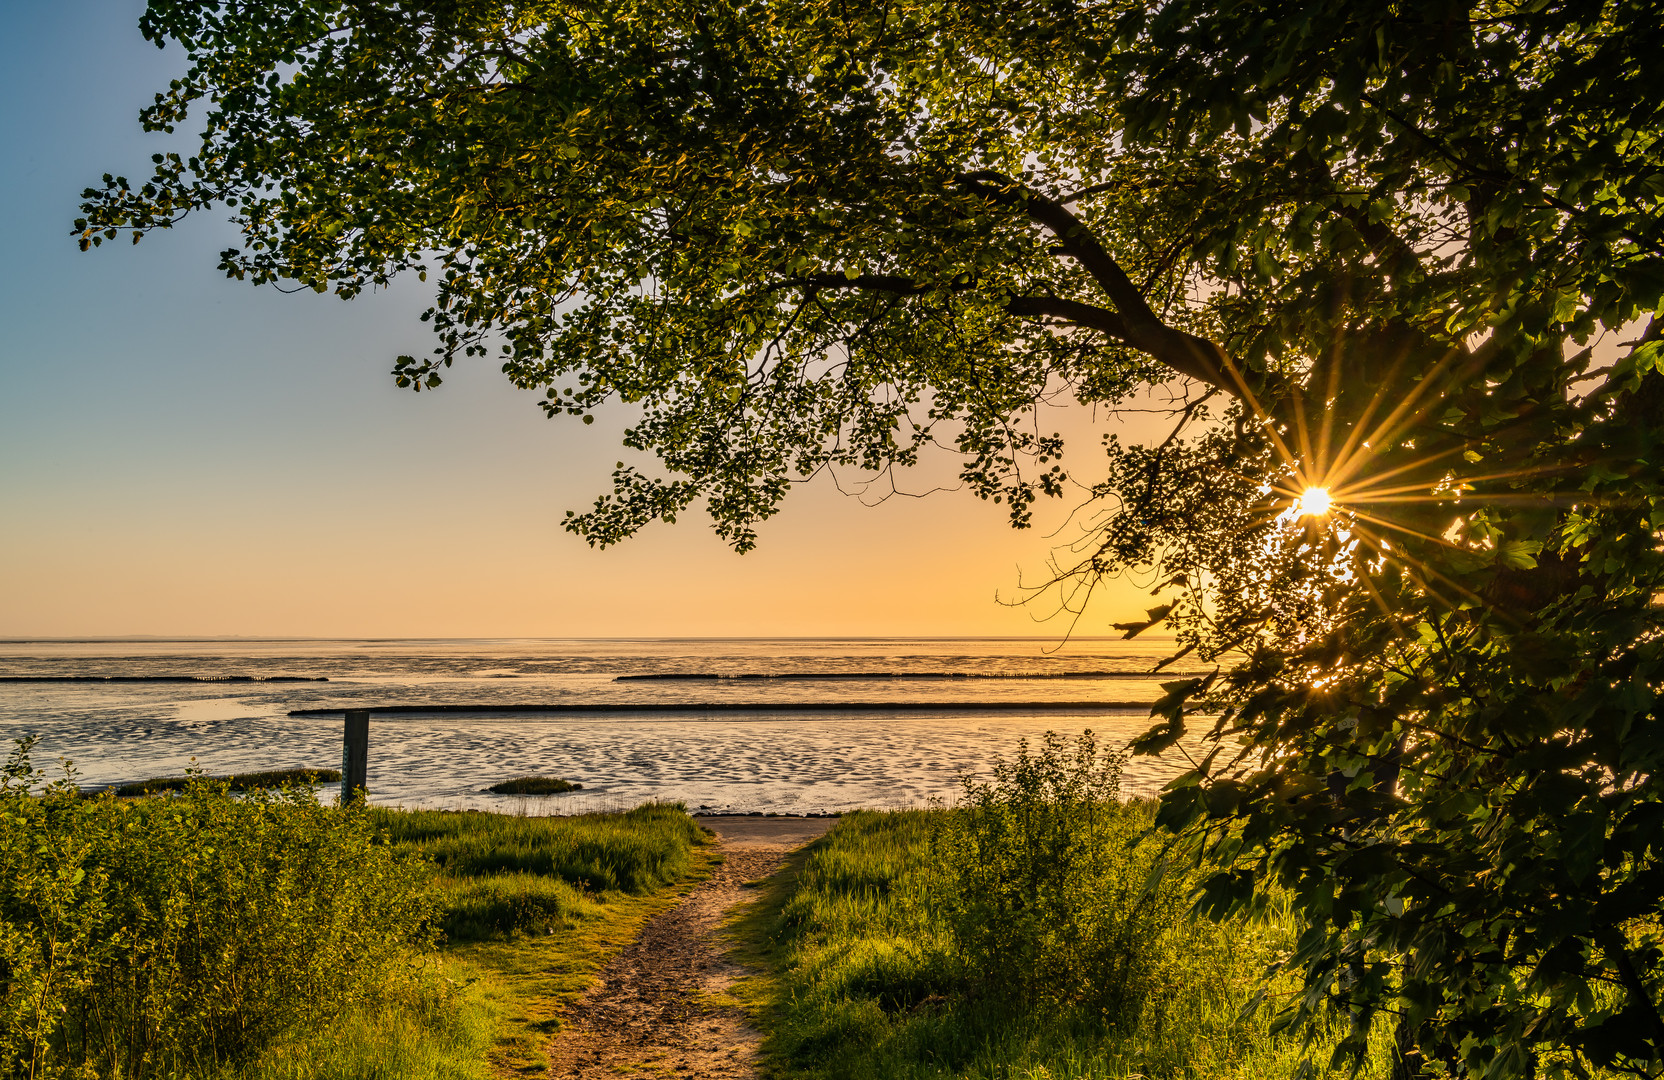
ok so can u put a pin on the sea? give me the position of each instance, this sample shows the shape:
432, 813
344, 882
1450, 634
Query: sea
795, 726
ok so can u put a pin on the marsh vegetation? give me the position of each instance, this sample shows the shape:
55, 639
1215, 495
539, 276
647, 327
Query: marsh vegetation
273, 778
200, 933
535, 785
1040, 929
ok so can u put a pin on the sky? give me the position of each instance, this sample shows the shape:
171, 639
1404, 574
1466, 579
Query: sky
181, 454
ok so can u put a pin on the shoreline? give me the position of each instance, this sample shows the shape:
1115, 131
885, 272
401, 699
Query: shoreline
766, 708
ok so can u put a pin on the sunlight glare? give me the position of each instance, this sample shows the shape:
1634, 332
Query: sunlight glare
1314, 502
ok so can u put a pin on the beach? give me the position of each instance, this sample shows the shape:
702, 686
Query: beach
726, 726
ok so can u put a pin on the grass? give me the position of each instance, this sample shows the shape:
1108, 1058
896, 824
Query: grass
531, 978
535, 785
858, 973
532, 909
253, 781
1010, 938
441, 1024
634, 852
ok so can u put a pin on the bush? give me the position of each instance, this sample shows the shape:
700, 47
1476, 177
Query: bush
1050, 889
191, 931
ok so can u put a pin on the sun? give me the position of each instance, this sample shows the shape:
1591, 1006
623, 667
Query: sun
1313, 502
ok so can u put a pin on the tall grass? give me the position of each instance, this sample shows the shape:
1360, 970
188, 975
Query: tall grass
1038, 930
504, 876
634, 852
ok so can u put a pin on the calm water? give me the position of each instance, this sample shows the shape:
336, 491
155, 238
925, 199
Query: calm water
126, 710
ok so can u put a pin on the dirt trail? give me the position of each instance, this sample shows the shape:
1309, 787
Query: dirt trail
649, 1014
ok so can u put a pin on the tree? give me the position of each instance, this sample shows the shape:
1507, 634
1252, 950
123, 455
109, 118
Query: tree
1372, 244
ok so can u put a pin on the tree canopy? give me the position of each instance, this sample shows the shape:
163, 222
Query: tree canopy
1373, 246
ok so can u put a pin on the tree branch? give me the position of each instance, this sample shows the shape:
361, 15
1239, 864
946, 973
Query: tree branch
890, 283
1136, 323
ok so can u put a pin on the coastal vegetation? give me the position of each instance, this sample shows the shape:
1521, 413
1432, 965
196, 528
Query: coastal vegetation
1040, 929
189, 932
266, 936
534, 785
1396, 268
504, 875
274, 778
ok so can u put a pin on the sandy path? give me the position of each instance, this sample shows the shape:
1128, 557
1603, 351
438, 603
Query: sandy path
650, 1014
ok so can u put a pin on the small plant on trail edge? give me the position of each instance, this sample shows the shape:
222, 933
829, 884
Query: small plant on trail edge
534, 785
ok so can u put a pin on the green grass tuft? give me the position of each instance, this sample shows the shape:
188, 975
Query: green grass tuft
493, 906
253, 781
436, 1024
635, 852
534, 785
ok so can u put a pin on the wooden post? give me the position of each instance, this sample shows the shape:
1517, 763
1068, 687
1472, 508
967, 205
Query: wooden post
355, 753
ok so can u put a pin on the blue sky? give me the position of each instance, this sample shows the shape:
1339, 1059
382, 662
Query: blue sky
183, 454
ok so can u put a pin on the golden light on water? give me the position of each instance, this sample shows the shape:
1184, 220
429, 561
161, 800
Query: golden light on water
1313, 502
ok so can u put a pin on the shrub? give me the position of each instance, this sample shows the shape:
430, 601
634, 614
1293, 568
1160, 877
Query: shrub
1051, 890
173, 934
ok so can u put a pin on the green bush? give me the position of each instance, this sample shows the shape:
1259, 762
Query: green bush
188, 932
1051, 889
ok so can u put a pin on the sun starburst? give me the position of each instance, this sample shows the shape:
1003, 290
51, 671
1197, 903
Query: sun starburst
1313, 502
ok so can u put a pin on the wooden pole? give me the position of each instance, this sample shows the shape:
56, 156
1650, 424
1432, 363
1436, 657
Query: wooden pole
355, 753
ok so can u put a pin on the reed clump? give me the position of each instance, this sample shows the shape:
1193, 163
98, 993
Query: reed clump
535, 785
253, 781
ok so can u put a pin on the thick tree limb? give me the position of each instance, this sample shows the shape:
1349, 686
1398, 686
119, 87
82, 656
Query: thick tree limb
1138, 325
1070, 311
1186, 354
